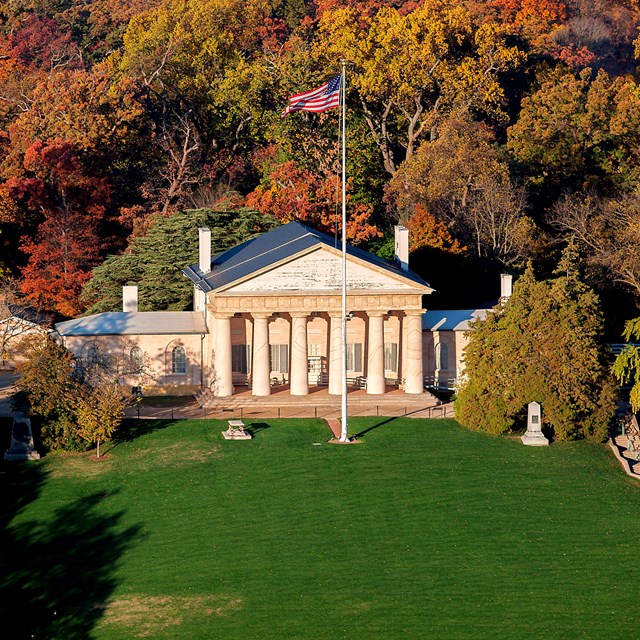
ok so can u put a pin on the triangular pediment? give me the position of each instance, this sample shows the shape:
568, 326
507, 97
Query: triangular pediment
321, 271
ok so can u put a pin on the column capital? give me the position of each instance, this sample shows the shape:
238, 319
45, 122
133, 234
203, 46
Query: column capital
415, 312
223, 314
261, 315
376, 313
299, 314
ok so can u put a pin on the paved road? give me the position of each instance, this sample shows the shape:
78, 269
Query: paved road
7, 389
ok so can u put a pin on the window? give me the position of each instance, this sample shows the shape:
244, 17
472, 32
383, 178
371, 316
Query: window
178, 360
136, 358
354, 356
280, 358
93, 355
390, 356
442, 356
314, 349
96, 355
239, 358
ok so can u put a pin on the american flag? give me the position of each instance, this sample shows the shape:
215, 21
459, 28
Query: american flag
325, 97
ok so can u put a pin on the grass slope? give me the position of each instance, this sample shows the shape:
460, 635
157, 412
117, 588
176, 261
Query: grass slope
425, 530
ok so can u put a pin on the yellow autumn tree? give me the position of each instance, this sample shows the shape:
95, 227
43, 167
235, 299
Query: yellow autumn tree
98, 411
410, 68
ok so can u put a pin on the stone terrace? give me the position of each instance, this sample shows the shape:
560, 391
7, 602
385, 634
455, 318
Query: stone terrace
281, 404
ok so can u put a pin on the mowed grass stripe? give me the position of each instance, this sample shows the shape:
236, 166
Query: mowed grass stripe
425, 530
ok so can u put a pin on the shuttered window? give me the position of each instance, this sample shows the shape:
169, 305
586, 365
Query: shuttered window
390, 356
442, 356
354, 356
239, 358
280, 358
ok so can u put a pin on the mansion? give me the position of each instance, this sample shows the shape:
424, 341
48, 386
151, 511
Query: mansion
268, 312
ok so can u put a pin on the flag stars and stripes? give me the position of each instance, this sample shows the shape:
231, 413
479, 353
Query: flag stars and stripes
325, 97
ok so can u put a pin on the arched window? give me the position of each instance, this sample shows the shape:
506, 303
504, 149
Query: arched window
136, 358
442, 356
178, 360
93, 354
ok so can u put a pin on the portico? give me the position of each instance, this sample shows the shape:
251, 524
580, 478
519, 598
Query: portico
274, 312
268, 316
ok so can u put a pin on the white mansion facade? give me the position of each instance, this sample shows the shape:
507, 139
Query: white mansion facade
268, 312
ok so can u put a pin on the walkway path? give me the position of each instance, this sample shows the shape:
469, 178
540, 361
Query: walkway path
628, 459
318, 404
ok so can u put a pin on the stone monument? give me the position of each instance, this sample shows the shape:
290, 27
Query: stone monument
236, 431
533, 437
22, 447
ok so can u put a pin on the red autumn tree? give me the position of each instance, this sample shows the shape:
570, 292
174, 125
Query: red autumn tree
69, 204
291, 193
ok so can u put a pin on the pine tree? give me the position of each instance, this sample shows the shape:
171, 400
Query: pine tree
544, 344
155, 261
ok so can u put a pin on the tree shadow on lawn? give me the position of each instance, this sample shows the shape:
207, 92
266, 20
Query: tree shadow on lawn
134, 428
58, 574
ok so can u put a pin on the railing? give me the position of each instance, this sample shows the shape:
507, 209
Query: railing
249, 410
439, 383
630, 429
617, 349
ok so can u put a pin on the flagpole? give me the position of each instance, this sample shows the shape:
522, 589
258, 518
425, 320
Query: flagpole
345, 427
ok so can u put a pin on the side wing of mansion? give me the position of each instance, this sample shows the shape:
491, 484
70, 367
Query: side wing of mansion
268, 312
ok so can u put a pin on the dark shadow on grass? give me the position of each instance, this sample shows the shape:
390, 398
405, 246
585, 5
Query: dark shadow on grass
134, 428
57, 574
256, 427
372, 427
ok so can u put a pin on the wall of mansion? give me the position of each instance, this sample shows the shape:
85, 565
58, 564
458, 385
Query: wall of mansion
170, 364
181, 365
269, 312
300, 343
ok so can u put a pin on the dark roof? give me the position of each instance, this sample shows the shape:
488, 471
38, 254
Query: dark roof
274, 246
30, 315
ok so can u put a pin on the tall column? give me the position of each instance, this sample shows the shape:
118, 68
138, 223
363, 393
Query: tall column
412, 334
223, 376
260, 361
299, 376
375, 358
335, 354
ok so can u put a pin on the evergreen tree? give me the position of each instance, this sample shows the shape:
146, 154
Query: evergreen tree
544, 344
155, 261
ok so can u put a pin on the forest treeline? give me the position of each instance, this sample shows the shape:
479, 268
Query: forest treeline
494, 129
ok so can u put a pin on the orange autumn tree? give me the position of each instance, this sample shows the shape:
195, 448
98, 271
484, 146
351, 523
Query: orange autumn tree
68, 204
425, 231
291, 193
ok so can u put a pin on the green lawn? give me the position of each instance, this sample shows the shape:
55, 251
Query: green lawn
425, 530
